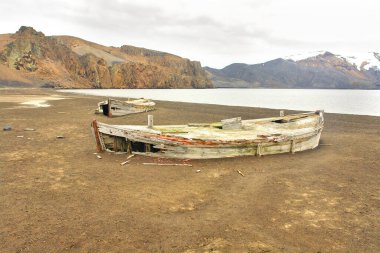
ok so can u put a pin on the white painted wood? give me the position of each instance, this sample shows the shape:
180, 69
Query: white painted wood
293, 133
121, 108
150, 121
230, 124
293, 146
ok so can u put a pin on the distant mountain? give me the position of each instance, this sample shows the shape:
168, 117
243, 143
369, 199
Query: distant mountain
317, 70
29, 58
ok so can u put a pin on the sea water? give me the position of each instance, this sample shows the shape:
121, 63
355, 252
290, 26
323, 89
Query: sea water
360, 102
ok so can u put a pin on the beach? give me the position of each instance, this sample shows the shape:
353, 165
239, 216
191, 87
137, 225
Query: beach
59, 195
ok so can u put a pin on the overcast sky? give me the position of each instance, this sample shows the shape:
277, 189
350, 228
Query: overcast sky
215, 32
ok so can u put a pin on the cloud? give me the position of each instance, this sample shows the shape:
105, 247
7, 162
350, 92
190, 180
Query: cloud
215, 32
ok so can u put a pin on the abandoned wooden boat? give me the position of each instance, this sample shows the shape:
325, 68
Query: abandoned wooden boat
228, 138
115, 108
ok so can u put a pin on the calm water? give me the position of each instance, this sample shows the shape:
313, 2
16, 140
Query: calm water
362, 102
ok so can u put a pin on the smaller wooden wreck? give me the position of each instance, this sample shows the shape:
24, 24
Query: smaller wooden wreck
116, 108
228, 138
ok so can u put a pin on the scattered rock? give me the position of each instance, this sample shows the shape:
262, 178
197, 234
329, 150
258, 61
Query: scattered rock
29, 129
20, 136
197, 171
26, 62
49, 85
7, 128
99, 157
60, 137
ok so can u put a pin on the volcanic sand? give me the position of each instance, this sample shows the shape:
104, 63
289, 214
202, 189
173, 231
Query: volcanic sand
57, 196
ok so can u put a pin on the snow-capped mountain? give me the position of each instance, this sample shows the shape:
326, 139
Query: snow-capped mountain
362, 61
317, 69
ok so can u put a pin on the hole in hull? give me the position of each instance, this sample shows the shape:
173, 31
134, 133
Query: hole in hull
120, 144
105, 109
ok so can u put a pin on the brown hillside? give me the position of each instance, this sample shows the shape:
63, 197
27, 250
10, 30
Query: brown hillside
65, 61
11, 77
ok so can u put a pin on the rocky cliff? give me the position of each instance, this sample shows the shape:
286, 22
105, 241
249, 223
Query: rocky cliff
69, 62
324, 70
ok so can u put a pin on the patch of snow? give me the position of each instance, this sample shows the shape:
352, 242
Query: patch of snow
39, 102
362, 60
36, 103
303, 56
359, 60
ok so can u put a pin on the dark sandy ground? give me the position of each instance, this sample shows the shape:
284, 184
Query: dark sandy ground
56, 196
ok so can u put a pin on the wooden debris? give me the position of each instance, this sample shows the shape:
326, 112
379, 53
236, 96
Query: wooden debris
130, 156
241, 173
169, 164
124, 163
128, 160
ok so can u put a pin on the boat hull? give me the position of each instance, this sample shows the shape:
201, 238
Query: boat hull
155, 143
117, 108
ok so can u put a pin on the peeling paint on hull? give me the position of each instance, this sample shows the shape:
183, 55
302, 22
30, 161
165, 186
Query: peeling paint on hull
291, 133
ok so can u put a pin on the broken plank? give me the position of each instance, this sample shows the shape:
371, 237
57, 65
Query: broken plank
169, 164
124, 163
241, 173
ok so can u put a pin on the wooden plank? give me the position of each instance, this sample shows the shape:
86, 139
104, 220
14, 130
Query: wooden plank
150, 121
109, 108
129, 147
97, 137
169, 164
241, 173
233, 123
258, 150
293, 146
147, 147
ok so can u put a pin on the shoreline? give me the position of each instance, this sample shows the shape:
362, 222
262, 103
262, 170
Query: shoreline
58, 196
227, 88
64, 91
255, 107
